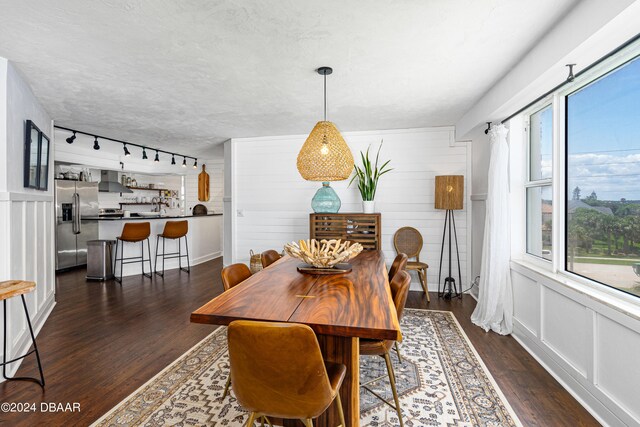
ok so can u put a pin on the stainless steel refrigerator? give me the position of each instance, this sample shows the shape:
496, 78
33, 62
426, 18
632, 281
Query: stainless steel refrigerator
75, 201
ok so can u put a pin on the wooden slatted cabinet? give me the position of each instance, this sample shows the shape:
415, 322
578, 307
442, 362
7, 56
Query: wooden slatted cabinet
365, 229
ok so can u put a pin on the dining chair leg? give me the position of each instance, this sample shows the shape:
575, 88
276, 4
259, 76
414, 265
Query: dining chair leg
226, 387
392, 380
397, 346
252, 418
340, 410
308, 422
423, 282
426, 285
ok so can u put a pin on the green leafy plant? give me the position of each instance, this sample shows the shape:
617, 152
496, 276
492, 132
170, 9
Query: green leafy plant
368, 175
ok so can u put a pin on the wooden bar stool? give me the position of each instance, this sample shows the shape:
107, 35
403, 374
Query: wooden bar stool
173, 230
133, 232
8, 289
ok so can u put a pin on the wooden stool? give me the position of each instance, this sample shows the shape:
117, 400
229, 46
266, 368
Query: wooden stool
173, 230
9, 289
133, 232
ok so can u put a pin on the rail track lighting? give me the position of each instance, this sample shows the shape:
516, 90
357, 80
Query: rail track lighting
125, 147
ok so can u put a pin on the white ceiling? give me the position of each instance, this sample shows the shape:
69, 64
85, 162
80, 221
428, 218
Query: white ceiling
190, 74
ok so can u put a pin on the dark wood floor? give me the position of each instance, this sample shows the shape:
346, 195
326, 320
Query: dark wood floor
103, 341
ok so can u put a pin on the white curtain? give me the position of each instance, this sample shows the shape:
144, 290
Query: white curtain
495, 300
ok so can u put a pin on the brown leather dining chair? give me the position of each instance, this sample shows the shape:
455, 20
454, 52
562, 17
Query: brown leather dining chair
277, 370
408, 240
233, 275
399, 291
400, 263
269, 257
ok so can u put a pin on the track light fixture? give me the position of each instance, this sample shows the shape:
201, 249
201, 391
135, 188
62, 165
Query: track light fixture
125, 147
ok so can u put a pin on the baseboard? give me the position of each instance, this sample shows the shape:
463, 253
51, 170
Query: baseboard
24, 342
596, 408
206, 258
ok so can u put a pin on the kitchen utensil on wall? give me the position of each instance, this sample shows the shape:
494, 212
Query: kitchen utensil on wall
203, 185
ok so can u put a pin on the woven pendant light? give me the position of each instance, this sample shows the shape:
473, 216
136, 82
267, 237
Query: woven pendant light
325, 156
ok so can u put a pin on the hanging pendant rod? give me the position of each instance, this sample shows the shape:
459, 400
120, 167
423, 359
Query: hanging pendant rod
572, 77
125, 142
325, 71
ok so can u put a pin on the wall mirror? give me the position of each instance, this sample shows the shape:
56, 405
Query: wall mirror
36, 158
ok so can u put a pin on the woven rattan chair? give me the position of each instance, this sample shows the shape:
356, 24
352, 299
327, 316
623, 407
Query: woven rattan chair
408, 240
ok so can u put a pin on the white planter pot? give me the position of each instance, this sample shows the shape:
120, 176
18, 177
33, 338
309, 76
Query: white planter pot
368, 206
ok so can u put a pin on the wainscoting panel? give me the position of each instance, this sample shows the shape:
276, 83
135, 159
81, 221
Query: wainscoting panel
28, 220
565, 328
271, 202
618, 371
588, 344
526, 300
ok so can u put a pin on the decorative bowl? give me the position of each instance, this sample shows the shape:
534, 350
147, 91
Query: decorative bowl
323, 253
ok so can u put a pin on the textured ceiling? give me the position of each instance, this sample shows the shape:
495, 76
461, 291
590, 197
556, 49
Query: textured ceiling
190, 74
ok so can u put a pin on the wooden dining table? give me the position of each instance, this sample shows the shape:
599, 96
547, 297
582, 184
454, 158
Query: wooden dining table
340, 308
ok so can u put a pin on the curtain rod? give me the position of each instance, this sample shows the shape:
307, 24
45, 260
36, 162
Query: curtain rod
570, 80
125, 142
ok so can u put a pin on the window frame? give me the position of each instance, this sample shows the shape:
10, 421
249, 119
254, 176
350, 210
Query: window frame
544, 182
559, 175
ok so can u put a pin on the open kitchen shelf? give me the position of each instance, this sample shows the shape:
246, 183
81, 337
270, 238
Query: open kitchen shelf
147, 188
143, 203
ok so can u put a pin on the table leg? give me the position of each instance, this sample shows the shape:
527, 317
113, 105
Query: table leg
345, 350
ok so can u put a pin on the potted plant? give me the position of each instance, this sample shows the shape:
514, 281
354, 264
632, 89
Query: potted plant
368, 176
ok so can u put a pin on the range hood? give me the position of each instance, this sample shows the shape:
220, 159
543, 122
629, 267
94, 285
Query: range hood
109, 183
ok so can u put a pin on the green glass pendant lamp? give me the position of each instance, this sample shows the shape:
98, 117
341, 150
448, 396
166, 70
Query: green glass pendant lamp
325, 157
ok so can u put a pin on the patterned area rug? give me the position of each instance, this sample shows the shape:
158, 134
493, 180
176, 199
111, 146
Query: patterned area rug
441, 382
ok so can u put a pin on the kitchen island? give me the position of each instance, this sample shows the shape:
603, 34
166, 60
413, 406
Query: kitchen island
204, 239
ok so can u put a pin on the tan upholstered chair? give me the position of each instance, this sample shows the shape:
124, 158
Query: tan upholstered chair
269, 257
278, 371
233, 275
408, 240
400, 263
399, 291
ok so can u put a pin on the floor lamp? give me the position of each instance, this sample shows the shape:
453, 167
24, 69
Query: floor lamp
449, 196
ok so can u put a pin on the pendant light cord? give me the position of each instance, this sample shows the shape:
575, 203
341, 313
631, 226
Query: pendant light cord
325, 97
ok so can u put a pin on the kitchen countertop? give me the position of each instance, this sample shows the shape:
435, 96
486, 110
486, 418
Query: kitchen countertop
135, 218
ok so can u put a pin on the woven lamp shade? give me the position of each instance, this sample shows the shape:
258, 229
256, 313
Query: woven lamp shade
449, 192
325, 156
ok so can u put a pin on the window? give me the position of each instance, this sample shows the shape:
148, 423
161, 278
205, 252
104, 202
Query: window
539, 191
602, 172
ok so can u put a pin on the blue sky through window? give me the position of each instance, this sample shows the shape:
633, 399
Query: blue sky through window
603, 134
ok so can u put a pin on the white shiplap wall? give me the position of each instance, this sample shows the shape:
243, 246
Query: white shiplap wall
272, 202
216, 187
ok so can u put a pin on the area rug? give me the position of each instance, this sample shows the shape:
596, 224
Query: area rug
441, 382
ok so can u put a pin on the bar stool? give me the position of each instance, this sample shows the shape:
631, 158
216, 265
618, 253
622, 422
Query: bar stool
9, 289
133, 232
173, 230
